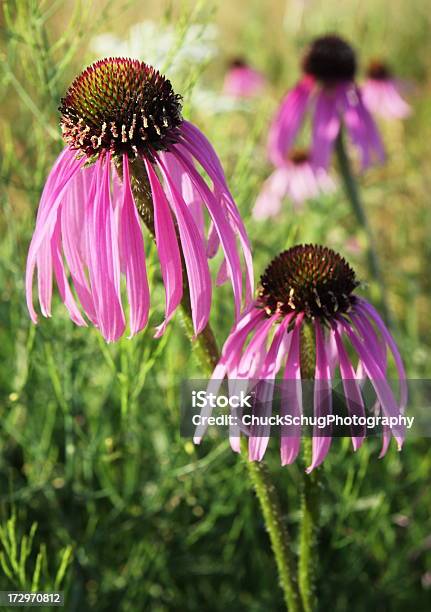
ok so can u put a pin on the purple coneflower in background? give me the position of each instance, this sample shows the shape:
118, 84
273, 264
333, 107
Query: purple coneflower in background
122, 124
381, 92
298, 179
310, 285
242, 81
327, 88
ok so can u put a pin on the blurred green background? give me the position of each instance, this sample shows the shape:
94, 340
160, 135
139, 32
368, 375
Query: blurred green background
99, 494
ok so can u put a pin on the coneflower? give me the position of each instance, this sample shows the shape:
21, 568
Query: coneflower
310, 288
328, 90
297, 179
126, 137
242, 80
381, 92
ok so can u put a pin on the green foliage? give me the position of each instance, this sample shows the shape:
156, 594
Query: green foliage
14, 557
129, 515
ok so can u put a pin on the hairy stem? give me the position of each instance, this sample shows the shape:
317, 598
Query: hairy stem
276, 528
208, 355
309, 525
352, 192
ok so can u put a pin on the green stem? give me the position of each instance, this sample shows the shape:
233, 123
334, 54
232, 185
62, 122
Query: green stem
308, 534
352, 192
276, 527
208, 355
204, 345
309, 527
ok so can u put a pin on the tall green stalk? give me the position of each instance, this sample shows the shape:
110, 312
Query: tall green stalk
276, 527
309, 525
352, 192
208, 355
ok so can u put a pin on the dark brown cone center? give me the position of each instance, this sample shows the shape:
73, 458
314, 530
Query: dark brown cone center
308, 278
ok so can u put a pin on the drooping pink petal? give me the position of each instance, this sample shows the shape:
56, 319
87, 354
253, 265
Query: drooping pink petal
386, 439
65, 168
222, 274
259, 433
229, 360
243, 371
185, 186
303, 184
378, 348
224, 231
274, 189
322, 399
277, 350
288, 121
232, 350
201, 149
117, 191
291, 403
357, 132
376, 345
73, 219
194, 255
387, 340
376, 318
218, 200
44, 275
326, 125
378, 380
255, 352
132, 254
199, 141
61, 278
383, 98
58, 175
213, 387
104, 260
298, 181
213, 241
207, 158
61, 168
395, 104
373, 135
167, 248
237, 224
352, 391
331, 352
362, 129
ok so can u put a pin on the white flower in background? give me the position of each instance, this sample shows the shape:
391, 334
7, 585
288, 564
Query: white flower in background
214, 102
155, 43
167, 48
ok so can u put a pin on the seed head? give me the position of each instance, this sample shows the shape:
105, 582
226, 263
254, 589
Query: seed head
308, 278
123, 106
330, 60
378, 70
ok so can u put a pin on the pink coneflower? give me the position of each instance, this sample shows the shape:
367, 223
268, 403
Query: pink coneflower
311, 288
126, 139
297, 179
381, 92
242, 81
327, 89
